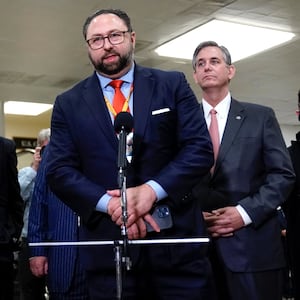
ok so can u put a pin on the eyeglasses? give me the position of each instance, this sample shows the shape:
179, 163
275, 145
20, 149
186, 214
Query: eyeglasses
114, 38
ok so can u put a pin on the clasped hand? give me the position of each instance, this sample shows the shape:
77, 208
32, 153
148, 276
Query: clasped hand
223, 222
140, 200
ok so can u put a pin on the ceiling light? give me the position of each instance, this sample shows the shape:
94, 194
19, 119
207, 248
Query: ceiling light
241, 40
25, 108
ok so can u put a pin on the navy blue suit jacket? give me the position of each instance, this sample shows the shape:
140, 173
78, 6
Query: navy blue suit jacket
11, 203
253, 169
173, 148
50, 220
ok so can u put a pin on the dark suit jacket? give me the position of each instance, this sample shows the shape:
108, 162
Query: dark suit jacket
51, 220
292, 211
172, 148
253, 169
11, 203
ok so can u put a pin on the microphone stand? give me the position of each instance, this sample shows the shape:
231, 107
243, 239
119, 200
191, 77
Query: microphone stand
122, 258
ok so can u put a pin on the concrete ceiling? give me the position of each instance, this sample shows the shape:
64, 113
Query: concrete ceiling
42, 51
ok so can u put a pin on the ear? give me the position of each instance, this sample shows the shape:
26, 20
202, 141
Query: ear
231, 71
195, 77
133, 37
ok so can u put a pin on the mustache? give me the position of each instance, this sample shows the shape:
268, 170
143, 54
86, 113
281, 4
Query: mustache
108, 54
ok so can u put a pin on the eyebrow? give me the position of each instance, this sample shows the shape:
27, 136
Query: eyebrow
214, 57
109, 32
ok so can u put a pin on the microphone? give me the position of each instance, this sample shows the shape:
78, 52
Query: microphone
123, 121
123, 125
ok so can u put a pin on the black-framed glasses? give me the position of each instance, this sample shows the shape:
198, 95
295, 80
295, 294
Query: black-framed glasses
114, 38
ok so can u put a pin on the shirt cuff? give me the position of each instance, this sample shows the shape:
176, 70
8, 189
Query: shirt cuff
103, 203
159, 191
247, 220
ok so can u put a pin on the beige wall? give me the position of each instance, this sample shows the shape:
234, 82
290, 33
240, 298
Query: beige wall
26, 127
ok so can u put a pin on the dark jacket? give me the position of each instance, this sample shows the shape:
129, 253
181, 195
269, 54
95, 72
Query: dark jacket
11, 203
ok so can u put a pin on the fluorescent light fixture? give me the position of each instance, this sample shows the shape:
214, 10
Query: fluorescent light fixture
241, 40
25, 108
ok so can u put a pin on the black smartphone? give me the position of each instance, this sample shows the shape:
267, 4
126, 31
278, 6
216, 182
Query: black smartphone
162, 216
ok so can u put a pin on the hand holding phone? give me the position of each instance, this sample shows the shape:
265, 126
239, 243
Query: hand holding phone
162, 216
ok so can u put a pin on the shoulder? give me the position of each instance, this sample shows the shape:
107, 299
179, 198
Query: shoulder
8, 144
158, 73
83, 84
253, 107
26, 170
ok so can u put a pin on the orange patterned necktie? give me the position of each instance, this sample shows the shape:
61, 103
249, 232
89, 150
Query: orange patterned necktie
214, 132
119, 98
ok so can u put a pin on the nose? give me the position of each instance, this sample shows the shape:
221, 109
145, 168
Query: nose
207, 66
106, 43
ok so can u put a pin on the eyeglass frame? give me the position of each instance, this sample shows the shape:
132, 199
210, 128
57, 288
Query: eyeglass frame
107, 37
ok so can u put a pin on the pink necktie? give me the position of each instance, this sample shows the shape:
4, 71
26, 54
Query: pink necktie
214, 132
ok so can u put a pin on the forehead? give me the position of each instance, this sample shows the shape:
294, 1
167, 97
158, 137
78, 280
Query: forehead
209, 52
105, 23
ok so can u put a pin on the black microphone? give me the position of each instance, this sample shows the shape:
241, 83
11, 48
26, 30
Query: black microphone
123, 121
123, 125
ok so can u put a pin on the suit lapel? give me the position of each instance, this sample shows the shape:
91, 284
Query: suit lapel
93, 96
236, 117
142, 97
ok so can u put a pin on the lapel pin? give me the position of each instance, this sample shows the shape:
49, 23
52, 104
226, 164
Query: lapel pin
238, 117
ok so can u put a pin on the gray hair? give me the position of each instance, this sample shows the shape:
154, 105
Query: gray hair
43, 136
225, 52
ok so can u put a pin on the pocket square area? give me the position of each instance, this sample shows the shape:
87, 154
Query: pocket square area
160, 111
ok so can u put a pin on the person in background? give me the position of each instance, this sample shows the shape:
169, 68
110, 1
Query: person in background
11, 216
171, 151
51, 220
292, 211
251, 178
31, 287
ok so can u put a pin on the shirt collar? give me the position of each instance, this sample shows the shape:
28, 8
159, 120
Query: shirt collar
128, 77
222, 108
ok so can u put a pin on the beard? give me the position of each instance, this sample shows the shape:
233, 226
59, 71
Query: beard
112, 69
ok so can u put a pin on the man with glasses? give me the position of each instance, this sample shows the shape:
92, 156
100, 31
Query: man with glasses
171, 151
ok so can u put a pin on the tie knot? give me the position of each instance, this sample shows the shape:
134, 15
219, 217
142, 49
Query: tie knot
213, 111
116, 84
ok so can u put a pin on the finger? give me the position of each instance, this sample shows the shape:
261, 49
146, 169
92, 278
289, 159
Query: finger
215, 235
34, 270
149, 219
224, 230
211, 218
117, 216
142, 227
46, 268
132, 218
39, 272
114, 193
133, 232
206, 214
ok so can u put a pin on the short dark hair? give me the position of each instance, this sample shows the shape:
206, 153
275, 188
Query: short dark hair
225, 52
121, 14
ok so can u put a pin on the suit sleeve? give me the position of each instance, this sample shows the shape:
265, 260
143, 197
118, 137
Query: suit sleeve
194, 156
278, 177
38, 213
